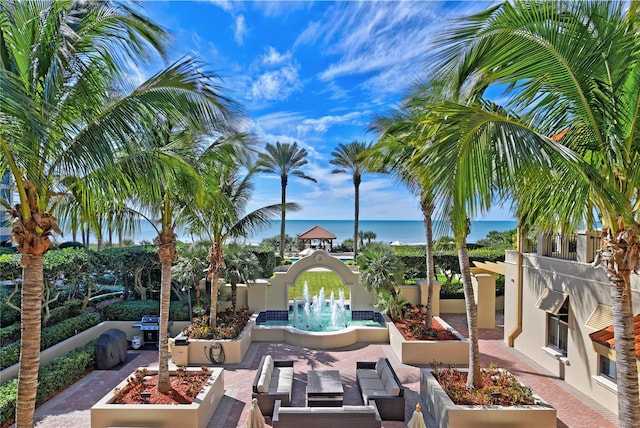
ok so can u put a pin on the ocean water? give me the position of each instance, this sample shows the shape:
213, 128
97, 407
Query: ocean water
406, 231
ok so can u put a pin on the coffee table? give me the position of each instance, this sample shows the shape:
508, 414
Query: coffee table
324, 388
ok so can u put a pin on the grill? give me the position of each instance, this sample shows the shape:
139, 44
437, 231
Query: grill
150, 323
149, 326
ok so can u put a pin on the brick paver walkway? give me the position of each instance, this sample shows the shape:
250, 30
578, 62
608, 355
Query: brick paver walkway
574, 409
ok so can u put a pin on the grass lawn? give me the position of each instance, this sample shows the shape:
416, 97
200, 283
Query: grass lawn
316, 280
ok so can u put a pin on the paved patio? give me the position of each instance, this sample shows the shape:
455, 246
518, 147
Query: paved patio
574, 409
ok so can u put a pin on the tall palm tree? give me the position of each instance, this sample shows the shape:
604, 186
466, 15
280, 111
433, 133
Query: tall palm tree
221, 213
401, 137
282, 160
59, 65
348, 160
570, 76
164, 195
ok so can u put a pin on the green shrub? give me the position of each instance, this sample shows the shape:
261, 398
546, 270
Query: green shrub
8, 250
70, 244
9, 334
10, 266
268, 260
63, 330
56, 375
134, 310
69, 309
10, 355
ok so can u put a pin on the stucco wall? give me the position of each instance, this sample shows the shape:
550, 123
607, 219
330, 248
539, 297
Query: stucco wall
276, 295
586, 287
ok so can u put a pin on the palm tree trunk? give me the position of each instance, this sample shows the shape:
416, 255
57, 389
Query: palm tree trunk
427, 207
623, 251
216, 262
626, 366
283, 200
166, 243
32, 280
356, 201
474, 378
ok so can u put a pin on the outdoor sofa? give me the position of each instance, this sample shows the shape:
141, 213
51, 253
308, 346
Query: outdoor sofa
362, 416
378, 382
273, 381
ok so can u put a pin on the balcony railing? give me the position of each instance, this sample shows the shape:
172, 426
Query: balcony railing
561, 246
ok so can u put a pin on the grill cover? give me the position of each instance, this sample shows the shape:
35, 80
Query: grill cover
111, 349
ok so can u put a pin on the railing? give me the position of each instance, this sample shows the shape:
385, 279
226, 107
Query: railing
561, 246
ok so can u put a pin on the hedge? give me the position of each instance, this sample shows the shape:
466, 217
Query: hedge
52, 377
134, 310
10, 355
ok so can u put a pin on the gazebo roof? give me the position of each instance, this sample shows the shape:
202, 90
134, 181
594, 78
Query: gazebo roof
316, 232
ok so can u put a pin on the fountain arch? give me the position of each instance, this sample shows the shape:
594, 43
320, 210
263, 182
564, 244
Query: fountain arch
275, 302
278, 295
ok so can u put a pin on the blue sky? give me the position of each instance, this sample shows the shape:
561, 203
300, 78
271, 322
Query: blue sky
315, 73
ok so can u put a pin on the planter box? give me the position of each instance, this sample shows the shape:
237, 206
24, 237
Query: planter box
447, 352
197, 352
104, 414
448, 414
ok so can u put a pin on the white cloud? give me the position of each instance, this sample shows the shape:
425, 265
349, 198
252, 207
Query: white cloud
226, 5
277, 85
323, 123
273, 57
240, 29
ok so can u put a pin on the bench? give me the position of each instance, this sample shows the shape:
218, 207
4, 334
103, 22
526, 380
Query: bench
378, 382
363, 416
273, 381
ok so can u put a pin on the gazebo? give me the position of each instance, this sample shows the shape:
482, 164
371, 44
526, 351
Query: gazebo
319, 234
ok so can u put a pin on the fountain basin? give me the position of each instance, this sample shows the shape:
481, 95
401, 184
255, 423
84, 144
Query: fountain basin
369, 326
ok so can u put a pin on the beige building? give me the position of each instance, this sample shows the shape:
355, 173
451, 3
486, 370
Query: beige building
564, 300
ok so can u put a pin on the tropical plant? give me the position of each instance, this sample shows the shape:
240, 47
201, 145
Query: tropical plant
220, 214
242, 266
348, 160
369, 235
400, 133
569, 73
380, 269
282, 160
66, 115
188, 270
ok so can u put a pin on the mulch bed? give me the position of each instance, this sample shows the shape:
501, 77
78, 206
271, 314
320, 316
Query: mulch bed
412, 327
183, 390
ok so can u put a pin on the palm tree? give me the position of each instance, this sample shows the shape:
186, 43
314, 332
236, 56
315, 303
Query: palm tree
569, 74
282, 160
242, 266
60, 64
400, 133
165, 194
368, 235
348, 160
380, 270
220, 215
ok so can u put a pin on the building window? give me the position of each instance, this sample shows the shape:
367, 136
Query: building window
558, 328
607, 368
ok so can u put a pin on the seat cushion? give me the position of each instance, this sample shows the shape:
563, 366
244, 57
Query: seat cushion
390, 384
263, 382
371, 384
281, 380
368, 374
380, 365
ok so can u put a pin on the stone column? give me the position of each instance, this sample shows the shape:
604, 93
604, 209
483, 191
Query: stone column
484, 288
